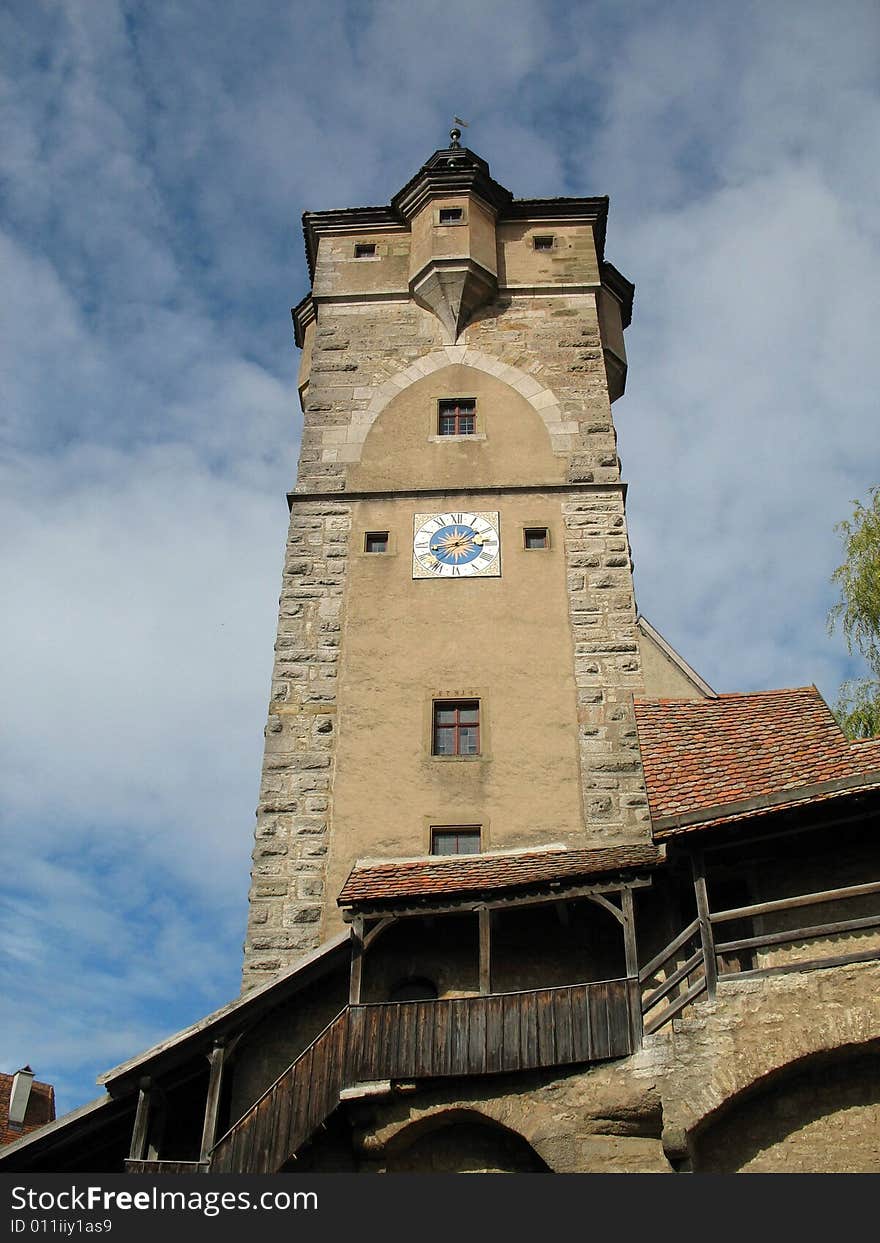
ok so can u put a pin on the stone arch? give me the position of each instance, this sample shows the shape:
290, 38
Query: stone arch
461, 1141
756, 1029
543, 400
818, 1114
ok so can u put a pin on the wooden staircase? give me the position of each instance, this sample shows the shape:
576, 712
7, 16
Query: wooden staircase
490, 1034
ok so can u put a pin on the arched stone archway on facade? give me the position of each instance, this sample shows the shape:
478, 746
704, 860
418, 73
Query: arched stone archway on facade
461, 1141
543, 400
818, 1115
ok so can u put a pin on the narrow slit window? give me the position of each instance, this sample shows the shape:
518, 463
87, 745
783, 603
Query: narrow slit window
451, 215
456, 728
543, 241
376, 541
536, 537
458, 417
364, 250
455, 839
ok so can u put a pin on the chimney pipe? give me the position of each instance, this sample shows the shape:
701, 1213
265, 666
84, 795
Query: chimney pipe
20, 1094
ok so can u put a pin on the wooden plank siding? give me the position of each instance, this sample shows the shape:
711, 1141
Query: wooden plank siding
370, 1043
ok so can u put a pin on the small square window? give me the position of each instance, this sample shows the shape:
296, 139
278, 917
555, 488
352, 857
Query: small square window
455, 839
450, 215
456, 729
536, 537
543, 241
364, 250
458, 417
376, 541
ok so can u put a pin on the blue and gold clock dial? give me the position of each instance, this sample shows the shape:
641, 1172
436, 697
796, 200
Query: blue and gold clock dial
457, 544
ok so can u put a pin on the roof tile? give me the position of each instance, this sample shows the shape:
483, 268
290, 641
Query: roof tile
705, 753
459, 875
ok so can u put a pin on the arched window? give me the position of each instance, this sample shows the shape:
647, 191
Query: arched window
414, 988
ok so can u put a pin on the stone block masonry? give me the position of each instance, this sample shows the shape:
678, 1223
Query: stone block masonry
607, 667
293, 817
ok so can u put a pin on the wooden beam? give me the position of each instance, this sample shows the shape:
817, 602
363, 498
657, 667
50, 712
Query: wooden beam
807, 964
803, 899
599, 900
799, 934
631, 953
659, 959
381, 927
654, 1024
465, 905
138, 1150
485, 918
630, 947
216, 1060
158, 1121
705, 923
357, 955
669, 984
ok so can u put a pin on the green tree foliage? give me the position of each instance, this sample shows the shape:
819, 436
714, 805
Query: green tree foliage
857, 613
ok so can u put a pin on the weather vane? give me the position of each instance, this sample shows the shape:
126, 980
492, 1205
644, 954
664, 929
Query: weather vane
455, 133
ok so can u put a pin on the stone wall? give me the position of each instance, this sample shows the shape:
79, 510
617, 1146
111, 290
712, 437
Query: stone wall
293, 816
607, 667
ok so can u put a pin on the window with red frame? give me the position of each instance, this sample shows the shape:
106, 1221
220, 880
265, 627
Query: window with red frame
456, 727
458, 417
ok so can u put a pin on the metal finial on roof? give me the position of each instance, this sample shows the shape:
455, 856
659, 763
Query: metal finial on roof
455, 133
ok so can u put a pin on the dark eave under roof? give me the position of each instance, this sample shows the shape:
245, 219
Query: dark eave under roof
468, 173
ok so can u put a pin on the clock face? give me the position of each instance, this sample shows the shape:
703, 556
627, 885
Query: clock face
457, 544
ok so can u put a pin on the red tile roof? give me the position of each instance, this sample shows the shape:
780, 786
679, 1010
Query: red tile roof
40, 1109
455, 876
705, 754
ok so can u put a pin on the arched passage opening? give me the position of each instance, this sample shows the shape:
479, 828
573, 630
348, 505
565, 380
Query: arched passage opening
818, 1115
462, 1142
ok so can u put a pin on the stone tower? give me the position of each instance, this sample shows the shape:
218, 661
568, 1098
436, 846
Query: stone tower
457, 647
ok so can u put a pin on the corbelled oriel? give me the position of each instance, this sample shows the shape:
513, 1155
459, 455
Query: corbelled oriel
457, 557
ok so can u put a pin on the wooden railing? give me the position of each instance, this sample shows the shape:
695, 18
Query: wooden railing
696, 945
669, 990
158, 1166
427, 1039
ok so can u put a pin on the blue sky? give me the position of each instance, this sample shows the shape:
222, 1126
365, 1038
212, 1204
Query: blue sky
155, 163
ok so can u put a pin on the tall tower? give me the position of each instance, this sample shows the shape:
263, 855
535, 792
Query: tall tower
457, 647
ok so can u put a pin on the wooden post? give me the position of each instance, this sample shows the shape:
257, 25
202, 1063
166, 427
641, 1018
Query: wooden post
707, 938
630, 949
138, 1149
629, 933
485, 918
216, 1059
357, 958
